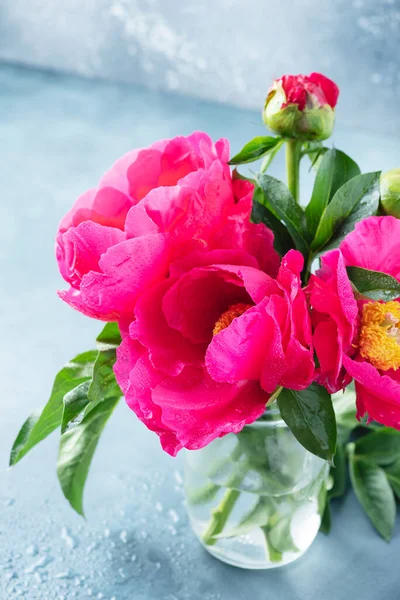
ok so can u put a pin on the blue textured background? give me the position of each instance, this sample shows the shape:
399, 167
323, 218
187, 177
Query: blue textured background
58, 135
224, 50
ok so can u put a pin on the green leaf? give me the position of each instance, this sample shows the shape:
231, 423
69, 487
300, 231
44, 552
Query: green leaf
77, 446
315, 151
393, 474
269, 157
74, 404
41, 423
335, 169
381, 446
355, 200
324, 509
310, 416
326, 522
81, 400
257, 517
255, 149
283, 205
394, 481
262, 214
339, 473
103, 382
374, 493
109, 337
374, 284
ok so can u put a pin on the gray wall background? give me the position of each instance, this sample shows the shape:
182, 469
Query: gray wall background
222, 50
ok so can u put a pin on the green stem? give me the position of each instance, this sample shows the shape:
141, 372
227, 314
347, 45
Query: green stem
220, 515
293, 155
275, 395
274, 555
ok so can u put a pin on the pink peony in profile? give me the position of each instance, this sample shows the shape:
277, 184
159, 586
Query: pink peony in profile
356, 337
211, 343
152, 207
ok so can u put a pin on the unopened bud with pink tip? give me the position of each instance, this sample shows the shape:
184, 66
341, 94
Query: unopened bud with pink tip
302, 106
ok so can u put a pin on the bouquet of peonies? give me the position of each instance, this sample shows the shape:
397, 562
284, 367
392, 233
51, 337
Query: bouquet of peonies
223, 296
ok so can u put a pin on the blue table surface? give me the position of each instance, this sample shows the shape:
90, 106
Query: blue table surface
59, 134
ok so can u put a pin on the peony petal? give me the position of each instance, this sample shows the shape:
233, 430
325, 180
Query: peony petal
257, 283
328, 87
138, 222
203, 259
257, 240
300, 368
79, 249
73, 298
168, 350
332, 295
116, 177
182, 212
378, 396
374, 244
199, 410
204, 148
126, 269
105, 206
222, 149
237, 352
136, 377
128, 353
143, 173
171, 209
289, 273
335, 320
197, 300
328, 346
178, 159
384, 385
83, 204
294, 88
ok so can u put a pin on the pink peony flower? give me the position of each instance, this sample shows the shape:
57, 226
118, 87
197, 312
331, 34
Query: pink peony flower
210, 344
355, 337
154, 206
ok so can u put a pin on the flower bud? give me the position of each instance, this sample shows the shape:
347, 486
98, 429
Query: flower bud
302, 106
390, 192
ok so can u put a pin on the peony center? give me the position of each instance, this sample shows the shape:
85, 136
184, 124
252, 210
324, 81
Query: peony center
234, 311
380, 334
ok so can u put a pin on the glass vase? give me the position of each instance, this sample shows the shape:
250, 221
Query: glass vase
255, 498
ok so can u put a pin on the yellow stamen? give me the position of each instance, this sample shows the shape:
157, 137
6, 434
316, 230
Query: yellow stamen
236, 310
380, 334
